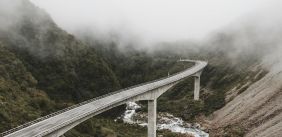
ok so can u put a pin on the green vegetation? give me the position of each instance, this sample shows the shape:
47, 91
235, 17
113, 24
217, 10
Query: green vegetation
101, 127
234, 131
44, 69
20, 99
221, 75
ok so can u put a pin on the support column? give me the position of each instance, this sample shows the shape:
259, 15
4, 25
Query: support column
152, 118
197, 88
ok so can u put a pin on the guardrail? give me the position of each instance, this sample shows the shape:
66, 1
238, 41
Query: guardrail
83, 103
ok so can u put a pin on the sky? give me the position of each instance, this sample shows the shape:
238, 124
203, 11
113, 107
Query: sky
154, 20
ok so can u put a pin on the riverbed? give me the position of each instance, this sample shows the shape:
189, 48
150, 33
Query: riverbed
165, 121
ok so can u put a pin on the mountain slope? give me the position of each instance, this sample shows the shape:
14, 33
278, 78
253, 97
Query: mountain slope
257, 110
20, 99
42, 67
64, 67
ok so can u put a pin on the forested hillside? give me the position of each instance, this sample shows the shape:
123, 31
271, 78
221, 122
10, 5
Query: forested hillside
20, 99
43, 69
224, 72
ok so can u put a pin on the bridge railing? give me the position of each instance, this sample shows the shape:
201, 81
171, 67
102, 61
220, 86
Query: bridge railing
80, 104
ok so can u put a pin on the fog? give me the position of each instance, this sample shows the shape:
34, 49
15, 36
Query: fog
150, 20
249, 25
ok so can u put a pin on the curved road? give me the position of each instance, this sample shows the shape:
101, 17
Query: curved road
52, 123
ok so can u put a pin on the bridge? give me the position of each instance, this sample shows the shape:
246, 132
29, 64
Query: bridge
58, 123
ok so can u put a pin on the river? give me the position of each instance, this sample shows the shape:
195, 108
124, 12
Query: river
165, 121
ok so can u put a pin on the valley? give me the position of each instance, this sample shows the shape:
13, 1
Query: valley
45, 68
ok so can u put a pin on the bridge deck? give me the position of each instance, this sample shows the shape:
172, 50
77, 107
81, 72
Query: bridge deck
72, 115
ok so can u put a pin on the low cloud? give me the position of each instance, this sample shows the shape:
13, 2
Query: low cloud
143, 24
151, 20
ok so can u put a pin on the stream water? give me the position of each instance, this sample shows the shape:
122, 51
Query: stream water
165, 121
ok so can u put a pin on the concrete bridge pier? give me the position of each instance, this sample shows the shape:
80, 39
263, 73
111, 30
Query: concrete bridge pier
197, 82
152, 118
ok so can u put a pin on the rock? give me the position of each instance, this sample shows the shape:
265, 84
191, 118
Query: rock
203, 128
132, 106
196, 125
187, 125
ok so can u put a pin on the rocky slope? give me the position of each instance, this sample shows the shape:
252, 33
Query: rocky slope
257, 111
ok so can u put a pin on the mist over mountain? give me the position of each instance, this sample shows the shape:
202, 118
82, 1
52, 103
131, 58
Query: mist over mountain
247, 56
150, 21
256, 28
44, 68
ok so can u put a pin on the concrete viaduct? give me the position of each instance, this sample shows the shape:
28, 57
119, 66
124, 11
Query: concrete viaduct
58, 123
